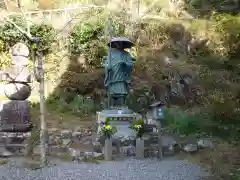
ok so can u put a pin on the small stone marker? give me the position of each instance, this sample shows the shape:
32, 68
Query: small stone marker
108, 150
158, 115
140, 148
205, 143
190, 148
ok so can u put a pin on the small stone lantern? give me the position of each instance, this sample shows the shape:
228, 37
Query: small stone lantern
157, 110
158, 115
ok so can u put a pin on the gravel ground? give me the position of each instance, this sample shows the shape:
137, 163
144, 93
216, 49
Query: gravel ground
128, 169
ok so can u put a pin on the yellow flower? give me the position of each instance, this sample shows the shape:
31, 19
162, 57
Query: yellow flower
108, 127
137, 126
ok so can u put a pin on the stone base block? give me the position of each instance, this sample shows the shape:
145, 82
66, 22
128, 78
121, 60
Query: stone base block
108, 150
140, 148
15, 116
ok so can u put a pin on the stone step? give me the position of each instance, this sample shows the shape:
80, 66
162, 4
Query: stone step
13, 135
17, 145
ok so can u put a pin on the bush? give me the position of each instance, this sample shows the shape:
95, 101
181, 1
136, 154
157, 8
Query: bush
5, 60
183, 123
86, 40
9, 35
140, 99
203, 7
89, 39
47, 37
84, 33
84, 83
93, 52
228, 27
72, 103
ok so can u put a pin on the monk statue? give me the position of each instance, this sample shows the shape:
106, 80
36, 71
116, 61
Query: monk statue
118, 68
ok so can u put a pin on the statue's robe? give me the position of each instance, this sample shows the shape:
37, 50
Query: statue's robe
118, 69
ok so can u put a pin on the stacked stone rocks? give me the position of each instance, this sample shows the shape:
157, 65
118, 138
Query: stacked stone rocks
15, 112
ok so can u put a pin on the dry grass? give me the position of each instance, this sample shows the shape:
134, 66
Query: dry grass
223, 162
33, 165
3, 161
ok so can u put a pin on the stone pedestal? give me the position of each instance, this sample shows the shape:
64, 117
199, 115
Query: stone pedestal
121, 119
108, 150
140, 148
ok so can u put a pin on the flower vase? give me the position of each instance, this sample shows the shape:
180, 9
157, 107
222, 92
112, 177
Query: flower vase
108, 149
140, 148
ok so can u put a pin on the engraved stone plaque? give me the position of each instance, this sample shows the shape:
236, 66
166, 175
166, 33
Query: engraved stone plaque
15, 116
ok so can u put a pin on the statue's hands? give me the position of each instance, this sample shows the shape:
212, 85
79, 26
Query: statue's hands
123, 64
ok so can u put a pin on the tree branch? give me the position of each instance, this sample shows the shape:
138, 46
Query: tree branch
21, 30
23, 14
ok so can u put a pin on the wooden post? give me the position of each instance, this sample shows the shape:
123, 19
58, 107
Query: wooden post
160, 154
43, 132
110, 33
21, 6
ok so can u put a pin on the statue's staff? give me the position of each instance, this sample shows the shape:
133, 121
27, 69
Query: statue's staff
110, 32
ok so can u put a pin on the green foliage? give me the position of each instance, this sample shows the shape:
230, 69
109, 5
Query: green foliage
3, 161
202, 123
89, 39
94, 51
228, 27
182, 123
10, 35
82, 105
140, 99
86, 40
1, 45
118, 25
235, 175
72, 103
107, 122
82, 34
204, 7
5, 60
46, 34
220, 78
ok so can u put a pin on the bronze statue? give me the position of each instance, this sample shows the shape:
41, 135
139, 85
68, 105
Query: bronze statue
118, 69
